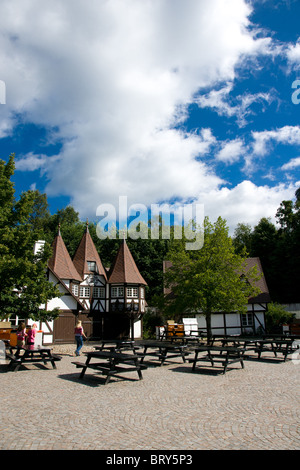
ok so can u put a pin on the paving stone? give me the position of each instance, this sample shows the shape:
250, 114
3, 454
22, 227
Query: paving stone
172, 408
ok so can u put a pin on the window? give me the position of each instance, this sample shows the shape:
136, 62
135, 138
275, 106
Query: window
117, 291
92, 266
132, 292
75, 289
247, 319
142, 293
84, 291
99, 292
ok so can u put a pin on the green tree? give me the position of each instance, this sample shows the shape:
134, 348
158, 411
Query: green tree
276, 316
23, 284
242, 238
211, 279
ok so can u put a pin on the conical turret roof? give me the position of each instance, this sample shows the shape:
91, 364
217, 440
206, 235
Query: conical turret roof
124, 269
85, 252
61, 262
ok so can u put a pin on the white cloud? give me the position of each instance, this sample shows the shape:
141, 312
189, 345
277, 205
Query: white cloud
231, 151
292, 164
293, 54
289, 135
246, 202
225, 105
111, 79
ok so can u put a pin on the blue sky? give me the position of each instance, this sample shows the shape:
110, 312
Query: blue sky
158, 101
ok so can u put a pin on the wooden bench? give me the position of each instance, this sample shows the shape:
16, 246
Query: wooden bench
285, 347
116, 363
219, 354
31, 356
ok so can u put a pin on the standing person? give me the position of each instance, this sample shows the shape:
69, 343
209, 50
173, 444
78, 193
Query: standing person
31, 337
21, 335
79, 334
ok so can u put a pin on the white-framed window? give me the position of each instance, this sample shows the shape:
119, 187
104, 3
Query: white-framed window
99, 292
75, 289
247, 319
84, 291
92, 266
142, 293
117, 291
133, 292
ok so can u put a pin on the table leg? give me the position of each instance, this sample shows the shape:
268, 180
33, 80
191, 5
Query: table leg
84, 368
163, 353
195, 360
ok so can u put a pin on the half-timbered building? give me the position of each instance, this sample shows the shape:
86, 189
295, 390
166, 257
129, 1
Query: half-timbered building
110, 303
233, 323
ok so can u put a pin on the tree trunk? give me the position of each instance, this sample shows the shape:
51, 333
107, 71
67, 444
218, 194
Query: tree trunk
208, 326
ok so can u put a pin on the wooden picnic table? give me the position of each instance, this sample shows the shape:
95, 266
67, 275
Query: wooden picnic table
285, 347
30, 355
117, 345
163, 350
112, 363
237, 341
224, 355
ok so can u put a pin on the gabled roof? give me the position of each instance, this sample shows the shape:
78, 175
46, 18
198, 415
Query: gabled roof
80, 305
85, 252
263, 296
124, 269
60, 262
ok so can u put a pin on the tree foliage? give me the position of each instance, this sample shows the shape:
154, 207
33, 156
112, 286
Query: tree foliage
211, 279
23, 284
278, 248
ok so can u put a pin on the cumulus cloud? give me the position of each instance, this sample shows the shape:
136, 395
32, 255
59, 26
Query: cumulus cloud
246, 202
289, 135
112, 81
231, 151
292, 164
293, 54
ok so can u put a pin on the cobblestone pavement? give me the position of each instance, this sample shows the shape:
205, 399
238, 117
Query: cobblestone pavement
172, 408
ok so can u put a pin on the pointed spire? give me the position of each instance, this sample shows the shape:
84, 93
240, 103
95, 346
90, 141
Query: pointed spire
124, 269
85, 252
60, 261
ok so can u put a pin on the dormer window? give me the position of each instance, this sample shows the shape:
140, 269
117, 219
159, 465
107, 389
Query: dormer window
92, 266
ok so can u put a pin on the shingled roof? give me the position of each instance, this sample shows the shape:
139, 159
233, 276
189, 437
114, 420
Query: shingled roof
85, 252
263, 296
124, 269
60, 262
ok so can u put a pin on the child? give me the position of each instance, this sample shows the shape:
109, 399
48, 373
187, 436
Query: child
31, 337
79, 333
21, 335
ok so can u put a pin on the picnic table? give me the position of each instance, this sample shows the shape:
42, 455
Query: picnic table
224, 355
243, 341
283, 346
117, 345
30, 355
163, 350
112, 363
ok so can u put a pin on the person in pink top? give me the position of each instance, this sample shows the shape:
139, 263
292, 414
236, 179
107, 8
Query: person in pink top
79, 334
30, 337
21, 335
